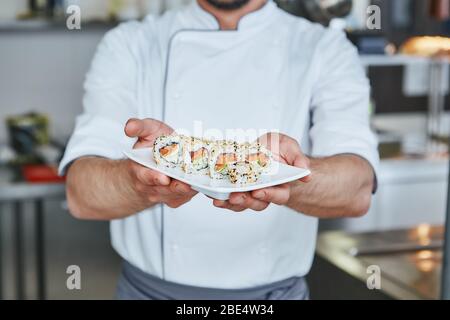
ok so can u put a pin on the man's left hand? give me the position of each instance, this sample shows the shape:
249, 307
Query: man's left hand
285, 150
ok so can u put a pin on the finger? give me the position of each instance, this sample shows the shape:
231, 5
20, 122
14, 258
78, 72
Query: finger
169, 197
165, 195
256, 205
226, 205
285, 149
271, 141
152, 177
238, 198
279, 195
306, 179
290, 151
219, 203
147, 190
176, 203
136, 128
301, 161
180, 188
165, 192
245, 200
236, 208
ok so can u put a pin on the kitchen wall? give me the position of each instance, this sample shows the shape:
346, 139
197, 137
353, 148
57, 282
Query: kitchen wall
42, 68
9, 9
43, 71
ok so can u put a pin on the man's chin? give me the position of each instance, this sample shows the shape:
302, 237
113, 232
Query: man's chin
228, 4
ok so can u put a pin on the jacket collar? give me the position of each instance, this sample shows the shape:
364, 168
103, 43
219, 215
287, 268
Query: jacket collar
206, 21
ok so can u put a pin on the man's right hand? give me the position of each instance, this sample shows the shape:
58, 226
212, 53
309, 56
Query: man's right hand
152, 186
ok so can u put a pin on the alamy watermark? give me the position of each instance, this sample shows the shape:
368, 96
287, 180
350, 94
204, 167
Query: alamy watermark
73, 281
73, 19
373, 17
374, 278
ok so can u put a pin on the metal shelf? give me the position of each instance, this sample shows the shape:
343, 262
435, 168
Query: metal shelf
375, 60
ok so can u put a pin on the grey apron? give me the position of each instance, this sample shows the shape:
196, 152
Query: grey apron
134, 284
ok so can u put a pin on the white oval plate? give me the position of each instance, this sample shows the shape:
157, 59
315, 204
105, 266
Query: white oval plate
218, 189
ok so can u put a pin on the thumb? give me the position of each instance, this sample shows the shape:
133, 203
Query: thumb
146, 128
302, 161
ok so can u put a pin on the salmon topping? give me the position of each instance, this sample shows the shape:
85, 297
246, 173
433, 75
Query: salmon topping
223, 160
200, 153
169, 150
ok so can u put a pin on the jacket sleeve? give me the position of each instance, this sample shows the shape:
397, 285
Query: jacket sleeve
109, 100
340, 102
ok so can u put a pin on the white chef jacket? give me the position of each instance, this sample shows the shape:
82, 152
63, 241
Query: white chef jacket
276, 72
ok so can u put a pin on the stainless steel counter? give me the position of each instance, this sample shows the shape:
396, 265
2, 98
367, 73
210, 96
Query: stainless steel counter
13, 189
16, 192
409, 260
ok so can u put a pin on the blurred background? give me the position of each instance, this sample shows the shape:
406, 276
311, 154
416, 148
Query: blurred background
42, 68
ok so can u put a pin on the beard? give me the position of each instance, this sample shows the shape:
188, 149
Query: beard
228, 4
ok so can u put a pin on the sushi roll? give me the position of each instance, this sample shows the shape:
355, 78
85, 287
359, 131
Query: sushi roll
241, 163
243, 173
259, 156
196, 156
222, 155
168, 150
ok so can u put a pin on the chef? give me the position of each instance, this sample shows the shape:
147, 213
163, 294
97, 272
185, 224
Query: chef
226, 64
